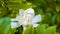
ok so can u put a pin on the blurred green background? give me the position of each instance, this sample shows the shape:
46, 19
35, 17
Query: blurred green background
49, 9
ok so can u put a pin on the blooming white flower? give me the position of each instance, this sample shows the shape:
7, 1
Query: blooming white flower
27, 17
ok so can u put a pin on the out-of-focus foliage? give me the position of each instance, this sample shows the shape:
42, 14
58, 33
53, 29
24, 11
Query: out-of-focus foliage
49, 9
41, 29
29, 30
5, 26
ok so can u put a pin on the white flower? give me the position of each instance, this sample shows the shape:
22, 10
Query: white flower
27, 17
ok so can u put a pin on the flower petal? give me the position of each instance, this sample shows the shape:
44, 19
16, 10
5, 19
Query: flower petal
37, 18
21, 12
35, 25
14, 24
28, 15
30, 10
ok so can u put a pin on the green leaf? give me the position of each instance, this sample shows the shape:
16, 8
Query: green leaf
41, 28
2, 11
54, 19
51, 30
13, 5
29, 30
4, 25
58, 8
26, 5
47, 18
14, 0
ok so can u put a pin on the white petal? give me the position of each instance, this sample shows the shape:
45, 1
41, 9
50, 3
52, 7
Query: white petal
30, 10
25, 20
14, 24
13, 19
37, 18
28, 16
21, 12
18, 18
24, 28
35, 25
29, 13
